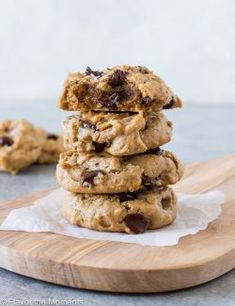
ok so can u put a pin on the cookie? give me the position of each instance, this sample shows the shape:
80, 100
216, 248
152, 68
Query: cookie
51, 149
125, 212
116, 133
105, 173
20, 145
121, 88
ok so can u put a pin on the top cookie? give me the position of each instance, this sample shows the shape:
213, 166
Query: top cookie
121, 88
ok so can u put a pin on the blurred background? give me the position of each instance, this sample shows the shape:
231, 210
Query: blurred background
190, 44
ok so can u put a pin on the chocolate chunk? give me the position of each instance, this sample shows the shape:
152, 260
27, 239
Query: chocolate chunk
125, 93
137, 223
52, 136
87, 125
96, 73
118, 78
6, 141
146, 101
117, 97
157, 151
148, 181
170, 104
88, 176
114, 98
126, 196
166, 203
99, 147
110, 101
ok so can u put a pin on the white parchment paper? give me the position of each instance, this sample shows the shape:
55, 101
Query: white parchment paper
194, 214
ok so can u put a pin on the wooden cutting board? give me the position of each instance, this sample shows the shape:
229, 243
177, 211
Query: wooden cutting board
121, 267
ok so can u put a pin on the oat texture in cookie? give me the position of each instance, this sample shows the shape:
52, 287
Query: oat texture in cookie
105, 173
116, 133
125, 212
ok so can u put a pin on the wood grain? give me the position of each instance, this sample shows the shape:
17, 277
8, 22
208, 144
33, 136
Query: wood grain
121, 267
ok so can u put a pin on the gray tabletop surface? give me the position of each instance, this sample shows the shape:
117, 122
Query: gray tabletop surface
201, 132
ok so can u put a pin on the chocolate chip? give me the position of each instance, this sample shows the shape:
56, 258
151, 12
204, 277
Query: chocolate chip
52, 136
148, 181
143, 69
146, 101
157, 151
121, 95
137, 223
126, 158
87, 125
96, 73
126, 196
170, 104
88, 176
99, 147
126, 93
114, 98
6, 141
109, 101
166, 203
117, 78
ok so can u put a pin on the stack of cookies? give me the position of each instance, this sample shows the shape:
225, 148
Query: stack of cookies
114, 170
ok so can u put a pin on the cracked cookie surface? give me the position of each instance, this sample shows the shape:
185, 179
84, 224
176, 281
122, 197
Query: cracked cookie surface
104, 173
116, 133
128, 212
20, 145
121, 88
